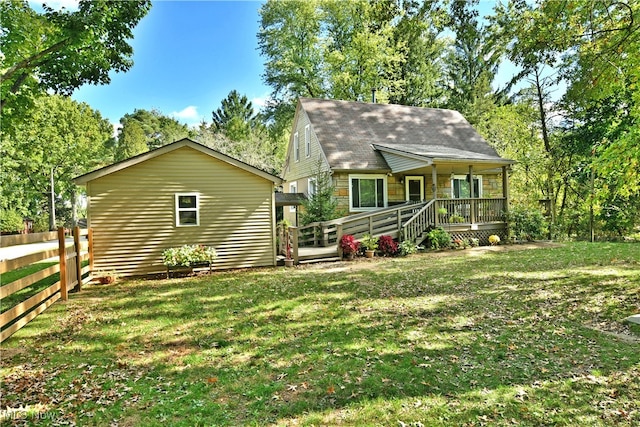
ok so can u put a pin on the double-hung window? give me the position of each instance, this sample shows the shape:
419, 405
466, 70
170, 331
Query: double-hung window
461, 187
312, 187
307, 141
293, 188
368, 192
187, 209
296, 147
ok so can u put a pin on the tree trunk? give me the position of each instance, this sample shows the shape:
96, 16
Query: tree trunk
547, 148
52, 205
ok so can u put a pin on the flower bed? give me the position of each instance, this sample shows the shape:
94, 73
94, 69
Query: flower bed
188, 256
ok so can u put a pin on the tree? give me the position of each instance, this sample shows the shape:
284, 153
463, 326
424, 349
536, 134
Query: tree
59, 140
62, 50
236, 118
321, 204
151, 127
471, 64
417, 36
131, 141
594, 47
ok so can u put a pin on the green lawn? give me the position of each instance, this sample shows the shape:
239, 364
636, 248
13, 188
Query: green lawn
475, 337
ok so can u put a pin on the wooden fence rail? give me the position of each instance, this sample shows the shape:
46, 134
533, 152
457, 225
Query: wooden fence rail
69, 255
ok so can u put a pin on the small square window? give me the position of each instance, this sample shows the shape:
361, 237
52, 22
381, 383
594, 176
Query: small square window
187, 210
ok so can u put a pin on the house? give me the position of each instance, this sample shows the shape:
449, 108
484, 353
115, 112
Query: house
181, 193
384, 155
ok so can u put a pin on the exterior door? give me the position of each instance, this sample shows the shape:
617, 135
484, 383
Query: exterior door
414, 188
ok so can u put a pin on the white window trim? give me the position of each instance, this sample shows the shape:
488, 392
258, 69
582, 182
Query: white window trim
178, 209
293, 188
464, 177
363, 176
296, 147
309, 181
413, 178
307, 141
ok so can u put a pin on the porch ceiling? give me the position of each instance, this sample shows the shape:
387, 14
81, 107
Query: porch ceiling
414, 158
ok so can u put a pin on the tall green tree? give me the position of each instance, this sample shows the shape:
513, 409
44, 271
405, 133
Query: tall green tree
471, 63
131, 141
593, 48
418, 38
62, 50
157, 129
236, 118
59, 140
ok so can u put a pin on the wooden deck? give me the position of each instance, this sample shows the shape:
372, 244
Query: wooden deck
462, 218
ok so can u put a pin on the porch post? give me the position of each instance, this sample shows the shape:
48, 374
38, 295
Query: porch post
434, 181
472, 196
505, 188
293, 232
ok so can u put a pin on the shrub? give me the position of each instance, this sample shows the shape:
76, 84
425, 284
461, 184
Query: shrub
407, 247
387, 246
187, 255
349, 244
526, 224
11, 221
439, 238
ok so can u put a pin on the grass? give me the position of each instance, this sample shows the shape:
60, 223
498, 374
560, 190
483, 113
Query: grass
476, 337
26, 293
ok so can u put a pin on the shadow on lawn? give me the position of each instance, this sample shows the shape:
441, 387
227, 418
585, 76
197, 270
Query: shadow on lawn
286, 344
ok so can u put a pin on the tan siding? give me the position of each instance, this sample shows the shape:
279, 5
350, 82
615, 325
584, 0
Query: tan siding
133, 214
306, 166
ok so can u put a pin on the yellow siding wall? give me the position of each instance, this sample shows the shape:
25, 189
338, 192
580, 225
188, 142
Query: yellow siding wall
132, 212
305, 167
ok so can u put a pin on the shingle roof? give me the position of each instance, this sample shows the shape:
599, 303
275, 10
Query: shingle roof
347, 130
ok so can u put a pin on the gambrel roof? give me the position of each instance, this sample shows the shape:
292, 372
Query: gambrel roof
365, 136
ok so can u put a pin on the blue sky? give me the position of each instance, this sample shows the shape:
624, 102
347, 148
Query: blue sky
188, 56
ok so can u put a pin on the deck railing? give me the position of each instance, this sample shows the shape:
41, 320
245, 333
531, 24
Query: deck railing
469, 211
408, 221
383, 221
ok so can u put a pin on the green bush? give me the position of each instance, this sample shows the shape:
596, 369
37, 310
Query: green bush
439, 239
188, 255
526, 223
407, 247
11, 221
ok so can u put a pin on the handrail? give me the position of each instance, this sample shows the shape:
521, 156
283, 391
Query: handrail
424, 208
373, 222
407, 221
419, 222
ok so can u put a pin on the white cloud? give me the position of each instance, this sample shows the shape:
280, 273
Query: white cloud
189, 114
260, 101
116, 129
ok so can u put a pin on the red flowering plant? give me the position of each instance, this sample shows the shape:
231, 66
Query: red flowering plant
387, 246
349, 244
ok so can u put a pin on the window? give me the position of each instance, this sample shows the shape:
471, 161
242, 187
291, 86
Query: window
307, 141
462, 190
296, 147
312, 187
187, 209
293, 188
368, 192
